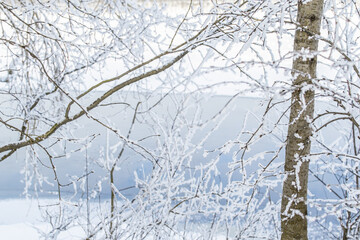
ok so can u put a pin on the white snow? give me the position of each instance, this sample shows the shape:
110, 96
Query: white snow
17, 219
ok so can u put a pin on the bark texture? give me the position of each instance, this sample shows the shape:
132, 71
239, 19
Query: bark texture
294, 197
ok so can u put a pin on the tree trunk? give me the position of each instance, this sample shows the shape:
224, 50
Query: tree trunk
294, 197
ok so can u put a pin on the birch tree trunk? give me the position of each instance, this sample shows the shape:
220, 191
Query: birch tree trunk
294, 196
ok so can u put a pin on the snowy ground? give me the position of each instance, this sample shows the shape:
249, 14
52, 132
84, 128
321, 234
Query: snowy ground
20, 219
17, 219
